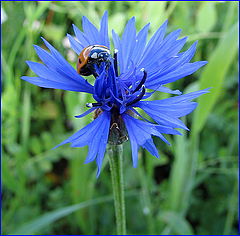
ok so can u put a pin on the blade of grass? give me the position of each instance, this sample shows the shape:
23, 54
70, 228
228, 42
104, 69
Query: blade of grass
50, 217
213, 76
179, 175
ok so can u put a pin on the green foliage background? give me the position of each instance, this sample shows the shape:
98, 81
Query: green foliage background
192, 189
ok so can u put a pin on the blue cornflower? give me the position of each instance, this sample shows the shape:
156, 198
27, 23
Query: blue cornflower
136, 70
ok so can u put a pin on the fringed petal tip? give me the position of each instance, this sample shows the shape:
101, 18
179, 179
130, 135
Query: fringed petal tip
86, 112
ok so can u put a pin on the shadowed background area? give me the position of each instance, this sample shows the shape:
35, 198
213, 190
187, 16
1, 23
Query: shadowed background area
192, 189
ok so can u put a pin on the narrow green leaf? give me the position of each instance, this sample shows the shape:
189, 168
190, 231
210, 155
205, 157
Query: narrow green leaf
180, 173
50, 217
213, 76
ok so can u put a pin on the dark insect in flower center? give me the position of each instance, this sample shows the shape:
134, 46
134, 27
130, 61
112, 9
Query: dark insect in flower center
90, 57
114, 95
124, 96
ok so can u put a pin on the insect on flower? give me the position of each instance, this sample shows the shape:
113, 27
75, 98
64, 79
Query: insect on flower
90, 57
123, 82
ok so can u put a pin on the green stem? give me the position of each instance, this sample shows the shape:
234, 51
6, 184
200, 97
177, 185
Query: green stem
116, 167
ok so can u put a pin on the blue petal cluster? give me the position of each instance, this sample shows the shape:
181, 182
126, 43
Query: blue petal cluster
137, 70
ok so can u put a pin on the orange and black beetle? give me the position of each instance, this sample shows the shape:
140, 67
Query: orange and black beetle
93, 54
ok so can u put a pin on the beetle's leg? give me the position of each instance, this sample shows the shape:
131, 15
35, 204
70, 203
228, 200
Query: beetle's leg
93, 70
95, 74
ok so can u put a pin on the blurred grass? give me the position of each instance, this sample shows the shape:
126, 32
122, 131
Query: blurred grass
173, 194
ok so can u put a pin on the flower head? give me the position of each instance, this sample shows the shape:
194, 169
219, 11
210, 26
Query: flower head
123, 81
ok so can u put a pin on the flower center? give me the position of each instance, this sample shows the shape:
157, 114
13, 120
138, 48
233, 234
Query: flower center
114, 92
